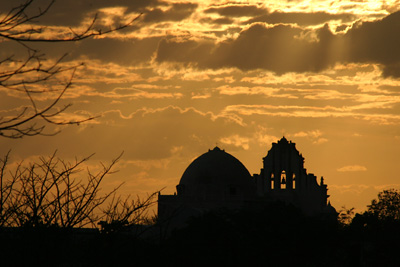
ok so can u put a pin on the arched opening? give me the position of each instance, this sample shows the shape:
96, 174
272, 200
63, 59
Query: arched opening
272, 181
294, 181
283, 180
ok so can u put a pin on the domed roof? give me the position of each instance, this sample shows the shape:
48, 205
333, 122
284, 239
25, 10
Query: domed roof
216, 170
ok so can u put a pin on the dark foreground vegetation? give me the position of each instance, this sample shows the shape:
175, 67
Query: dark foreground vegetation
50, 215
282, 236
279, 235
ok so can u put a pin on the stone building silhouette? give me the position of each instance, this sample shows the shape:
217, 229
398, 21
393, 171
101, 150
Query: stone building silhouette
217, 180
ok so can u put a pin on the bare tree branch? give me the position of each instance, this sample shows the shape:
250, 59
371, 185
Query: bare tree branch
46, 193
122, 213
20, 75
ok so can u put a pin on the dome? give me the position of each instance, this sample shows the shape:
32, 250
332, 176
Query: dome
216, 173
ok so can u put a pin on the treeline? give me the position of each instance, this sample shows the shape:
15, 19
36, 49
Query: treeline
278, 235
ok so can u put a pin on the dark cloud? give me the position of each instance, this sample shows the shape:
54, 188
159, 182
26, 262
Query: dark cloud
268, 48
260, 14
285, 48
342, 27
303, 19
238, 10
73, 12
121, 51
281, 48
275, 48
217, 21
183, 51
391, 70
176, 12
376, 42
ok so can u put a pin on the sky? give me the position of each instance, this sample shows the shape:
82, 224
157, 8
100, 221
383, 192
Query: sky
187, 76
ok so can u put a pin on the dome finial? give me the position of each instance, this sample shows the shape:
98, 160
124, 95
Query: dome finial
216, 148
283, 139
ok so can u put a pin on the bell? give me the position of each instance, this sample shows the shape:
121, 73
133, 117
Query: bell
283, 181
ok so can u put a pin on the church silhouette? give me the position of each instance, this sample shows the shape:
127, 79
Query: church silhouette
218, 180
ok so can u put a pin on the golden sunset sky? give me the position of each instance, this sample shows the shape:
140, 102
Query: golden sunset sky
187, 76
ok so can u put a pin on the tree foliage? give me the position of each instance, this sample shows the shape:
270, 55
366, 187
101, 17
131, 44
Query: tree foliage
35, 76
387, 206
346, 216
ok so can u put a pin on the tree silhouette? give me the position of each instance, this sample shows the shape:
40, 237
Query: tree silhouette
47, 193
387, 206
47, 206
372, 237
346, 216
122, 213
31, 74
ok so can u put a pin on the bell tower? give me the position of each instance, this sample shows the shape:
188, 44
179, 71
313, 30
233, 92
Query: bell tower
283, 177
